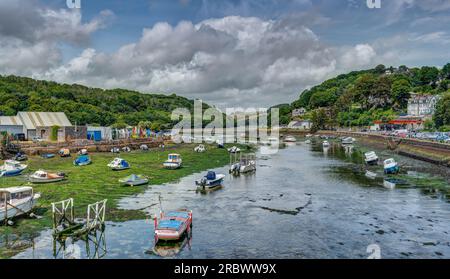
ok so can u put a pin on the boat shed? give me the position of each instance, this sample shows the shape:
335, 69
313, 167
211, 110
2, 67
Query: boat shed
11, 125
99, 133
32, 120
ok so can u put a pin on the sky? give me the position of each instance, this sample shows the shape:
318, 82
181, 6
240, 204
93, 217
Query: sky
228, 53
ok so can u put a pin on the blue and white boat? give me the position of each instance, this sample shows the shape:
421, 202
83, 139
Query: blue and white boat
119, 164
82, 160
173, 162
210, 181
12, 168
391, 166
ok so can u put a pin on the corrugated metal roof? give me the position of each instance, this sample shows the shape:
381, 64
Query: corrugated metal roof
10, 121
31, 120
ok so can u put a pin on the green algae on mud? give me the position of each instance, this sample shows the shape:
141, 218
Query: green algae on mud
96, 182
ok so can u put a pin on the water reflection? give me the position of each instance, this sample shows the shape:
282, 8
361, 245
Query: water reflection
325, 205
94, 244
171, 249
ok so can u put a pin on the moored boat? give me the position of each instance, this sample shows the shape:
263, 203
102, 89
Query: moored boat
20, 157
200, 149
83, 151
119, 164
115, 150
16, 201
325, 144
82, 160
348, 140
173, 162
41, 176
134, 180
48, 156
12, 168
290, 139
371, 158
308, 142
173, 225
65, 152
370, 175
210, 181
391, 166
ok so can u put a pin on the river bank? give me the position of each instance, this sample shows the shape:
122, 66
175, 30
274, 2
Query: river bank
97, 182
432, 152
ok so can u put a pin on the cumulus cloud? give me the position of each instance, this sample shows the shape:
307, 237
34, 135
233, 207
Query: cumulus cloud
232, 60
30, 35
227, 61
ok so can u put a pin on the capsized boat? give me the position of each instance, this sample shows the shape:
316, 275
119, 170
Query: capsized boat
134, 180
371, 158
65, 152
16, 201
119, 164
290, 139
20, 157
210, 181
173, 225
391, 166
82, 160
46, 177
12, 168
173, 162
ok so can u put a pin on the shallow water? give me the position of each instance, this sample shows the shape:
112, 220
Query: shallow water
303, 202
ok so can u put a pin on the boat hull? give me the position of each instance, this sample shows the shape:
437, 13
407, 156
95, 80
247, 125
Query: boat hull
247, 169
45, 181
12, 172
135, 183
119, 168
172, 166
391, 170
372, 162
24, 208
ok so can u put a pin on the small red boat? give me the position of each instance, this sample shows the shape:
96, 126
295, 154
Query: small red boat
172, 225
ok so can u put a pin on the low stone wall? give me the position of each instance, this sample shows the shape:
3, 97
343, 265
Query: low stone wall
38, 149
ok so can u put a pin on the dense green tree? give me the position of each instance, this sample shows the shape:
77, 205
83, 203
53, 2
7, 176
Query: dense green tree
442, 115
380, 69
85, 105
323, 98
445, 73
319, 119
401, 93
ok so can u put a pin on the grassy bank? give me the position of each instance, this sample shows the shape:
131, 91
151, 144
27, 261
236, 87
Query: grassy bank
96, 182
